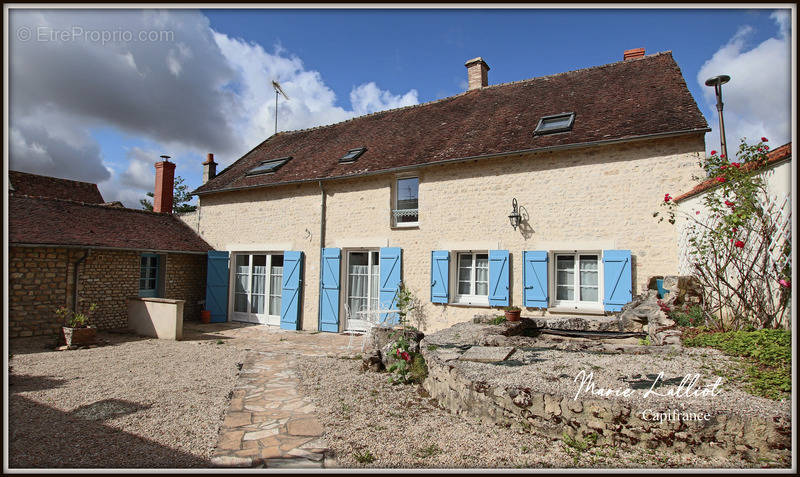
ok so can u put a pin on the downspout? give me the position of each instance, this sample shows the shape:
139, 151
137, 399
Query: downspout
75, 275
322, 206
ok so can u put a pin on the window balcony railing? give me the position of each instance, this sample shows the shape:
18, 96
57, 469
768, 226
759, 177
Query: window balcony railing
405, 217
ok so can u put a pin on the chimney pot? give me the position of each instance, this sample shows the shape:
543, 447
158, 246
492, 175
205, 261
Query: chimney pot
165, 181
634, 53
209, 168
477, 73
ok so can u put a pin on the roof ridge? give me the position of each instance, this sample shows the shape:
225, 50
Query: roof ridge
53, 177
91, 204
447, 98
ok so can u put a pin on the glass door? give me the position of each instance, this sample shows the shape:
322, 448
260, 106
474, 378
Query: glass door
363, 275
257, 288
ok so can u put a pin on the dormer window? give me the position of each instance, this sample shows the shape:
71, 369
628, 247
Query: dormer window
269, 166
352, 155
555, 123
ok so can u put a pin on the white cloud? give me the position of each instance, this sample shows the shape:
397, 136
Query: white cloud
202, 91
758, 97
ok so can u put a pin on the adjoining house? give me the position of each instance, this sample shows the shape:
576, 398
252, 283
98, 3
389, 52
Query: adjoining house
538, 193
67, 247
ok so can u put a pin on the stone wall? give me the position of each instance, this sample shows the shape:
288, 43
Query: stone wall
41, 280
613, 422
186, 280
583, 199
37, 286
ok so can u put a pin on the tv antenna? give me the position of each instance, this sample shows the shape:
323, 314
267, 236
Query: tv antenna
278, 90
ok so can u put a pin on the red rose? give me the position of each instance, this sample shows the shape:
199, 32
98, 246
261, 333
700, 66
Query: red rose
739, 244
763, 139
729, 203
722, 156
724, 167
713, 152
735, 164
405, 356
667, 198
720, 179
734, 229
697, 212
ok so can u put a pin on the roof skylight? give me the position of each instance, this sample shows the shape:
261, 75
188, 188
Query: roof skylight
555, 123
268, 166
352, 154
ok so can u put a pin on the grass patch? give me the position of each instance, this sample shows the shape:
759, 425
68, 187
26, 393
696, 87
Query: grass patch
428, 451
365, 457
498, 320
432, 347
419, 369
768, 354
220, 342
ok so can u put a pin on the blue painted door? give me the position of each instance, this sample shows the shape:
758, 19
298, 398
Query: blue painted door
391, 270
440, 272
617, 279
292, 285
534, 276
499, 278
329, 290
217, 286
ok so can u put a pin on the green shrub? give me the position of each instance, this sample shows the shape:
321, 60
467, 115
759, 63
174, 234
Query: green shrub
419, 369
498, 320
365, 457
688, 316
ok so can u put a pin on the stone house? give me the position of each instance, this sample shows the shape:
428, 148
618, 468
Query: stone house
67, 247
537, 193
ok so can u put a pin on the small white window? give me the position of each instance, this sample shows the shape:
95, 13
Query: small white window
405, 207
577, 280
472, 284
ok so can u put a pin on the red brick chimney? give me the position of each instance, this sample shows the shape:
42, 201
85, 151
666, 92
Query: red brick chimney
209, 168
165, 181
477, 73
634, 53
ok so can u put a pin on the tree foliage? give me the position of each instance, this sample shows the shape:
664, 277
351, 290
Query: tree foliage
180, 198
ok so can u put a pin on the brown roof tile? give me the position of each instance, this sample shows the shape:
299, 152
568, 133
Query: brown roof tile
46, 221
776, 155
54, 187
621, 100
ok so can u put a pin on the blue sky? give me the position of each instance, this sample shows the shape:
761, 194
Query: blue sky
113, 108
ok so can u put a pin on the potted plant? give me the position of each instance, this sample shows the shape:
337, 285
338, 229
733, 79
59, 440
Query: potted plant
205, 316
76, 330
512, 313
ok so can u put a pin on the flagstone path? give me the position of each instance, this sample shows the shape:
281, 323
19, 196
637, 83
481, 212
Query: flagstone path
269, 422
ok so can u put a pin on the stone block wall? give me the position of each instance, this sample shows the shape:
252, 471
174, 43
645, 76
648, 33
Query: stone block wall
186, 280
37, 286
41, 280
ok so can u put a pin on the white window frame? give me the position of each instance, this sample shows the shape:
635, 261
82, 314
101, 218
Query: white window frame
249, 317
345, 278
394, 222
575, 305
469, 299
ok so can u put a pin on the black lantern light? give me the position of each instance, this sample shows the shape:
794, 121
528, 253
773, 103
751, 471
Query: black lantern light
514, 216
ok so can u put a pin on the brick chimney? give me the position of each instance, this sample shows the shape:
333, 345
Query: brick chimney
209, 168
165, 181
477, 73
634, 53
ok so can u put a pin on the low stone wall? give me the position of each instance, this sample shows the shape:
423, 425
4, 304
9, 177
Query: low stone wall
450, 381
157, 317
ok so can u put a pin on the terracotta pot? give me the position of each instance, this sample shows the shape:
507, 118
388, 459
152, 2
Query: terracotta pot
205, 316
80, 336
513, 315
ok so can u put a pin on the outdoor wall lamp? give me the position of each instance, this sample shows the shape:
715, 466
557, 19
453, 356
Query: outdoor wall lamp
717, 83
514, 217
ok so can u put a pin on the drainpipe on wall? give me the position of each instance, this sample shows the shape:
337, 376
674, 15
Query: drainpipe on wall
321, 246
75, 275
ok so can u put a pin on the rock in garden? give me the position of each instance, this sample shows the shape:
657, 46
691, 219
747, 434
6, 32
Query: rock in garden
372, 362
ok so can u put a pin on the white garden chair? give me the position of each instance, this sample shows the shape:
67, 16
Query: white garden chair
355, 326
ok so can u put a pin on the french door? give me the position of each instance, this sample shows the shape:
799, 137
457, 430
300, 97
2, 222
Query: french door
257, 289
363, 275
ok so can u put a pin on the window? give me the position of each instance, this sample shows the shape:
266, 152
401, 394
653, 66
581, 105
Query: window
257, 288
148, 275
556, 123
405, 210
363, 277
577, 279
352, 155
266, 167
472, 286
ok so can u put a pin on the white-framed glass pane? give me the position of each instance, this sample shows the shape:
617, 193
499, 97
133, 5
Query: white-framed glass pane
407, 198
588, 293
275, 284
482, 274
240, 303
465, 274
358, 281
375, 272
258, 284
565, 277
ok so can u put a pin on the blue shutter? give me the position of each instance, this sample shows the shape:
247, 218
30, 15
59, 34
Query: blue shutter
498, 278
534, 276
291, 289
329, 290
217, 286
390, 275
440, 271
617, 279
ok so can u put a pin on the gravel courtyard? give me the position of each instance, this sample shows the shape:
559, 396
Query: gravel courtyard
135, 402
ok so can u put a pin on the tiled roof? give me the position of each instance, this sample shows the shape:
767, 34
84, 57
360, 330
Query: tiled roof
622, 100
776, 155
46, 221
54, 187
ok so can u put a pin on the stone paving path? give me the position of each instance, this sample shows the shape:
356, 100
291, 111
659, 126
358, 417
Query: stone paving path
269, 423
